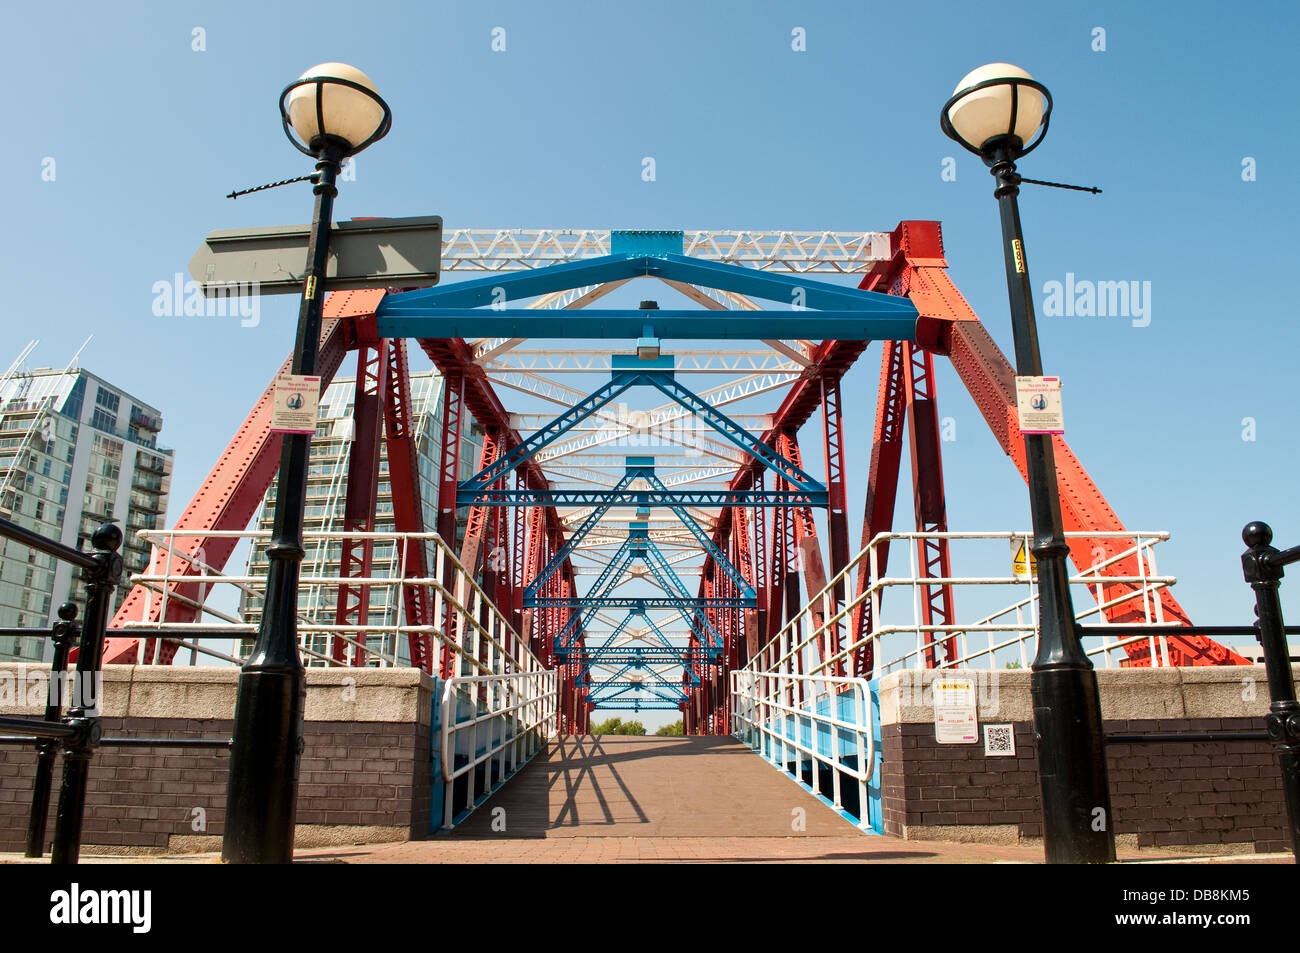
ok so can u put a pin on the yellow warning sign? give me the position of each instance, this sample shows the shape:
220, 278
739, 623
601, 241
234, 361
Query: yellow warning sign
1023, 564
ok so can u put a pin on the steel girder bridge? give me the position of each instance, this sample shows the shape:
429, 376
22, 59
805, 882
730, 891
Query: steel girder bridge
724, 501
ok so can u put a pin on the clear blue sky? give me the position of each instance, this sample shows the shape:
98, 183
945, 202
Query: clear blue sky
148, 136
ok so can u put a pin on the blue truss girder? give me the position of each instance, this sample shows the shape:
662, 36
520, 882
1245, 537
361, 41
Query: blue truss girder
672, 584
738, 435
668, 324
836, 311
639, 498
705, 540
591, 602
572, 542
643, 602
629, 373
548, 433
655, 688
648, 655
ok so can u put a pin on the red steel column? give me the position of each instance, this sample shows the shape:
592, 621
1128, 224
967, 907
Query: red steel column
356, 556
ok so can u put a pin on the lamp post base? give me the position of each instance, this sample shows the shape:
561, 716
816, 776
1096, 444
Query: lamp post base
261, 798
1077, 821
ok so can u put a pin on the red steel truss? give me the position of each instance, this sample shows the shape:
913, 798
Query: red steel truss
771, 549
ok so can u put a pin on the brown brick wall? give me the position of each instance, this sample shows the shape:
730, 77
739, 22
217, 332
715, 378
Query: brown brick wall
352, 774
1166, 794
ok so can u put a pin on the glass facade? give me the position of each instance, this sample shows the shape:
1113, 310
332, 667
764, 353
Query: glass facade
327, 495
67, 466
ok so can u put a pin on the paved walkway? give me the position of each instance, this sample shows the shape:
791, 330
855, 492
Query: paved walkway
617, 799
620, 799
628, 786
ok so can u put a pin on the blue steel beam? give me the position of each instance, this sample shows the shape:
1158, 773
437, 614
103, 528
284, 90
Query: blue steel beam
705, 540
673, 585
738, 435
637, 545
589, 603
640, 706
457, 310
668, 324
572, 542
547, 434
578, 497
642, 602
629, 371
648, 655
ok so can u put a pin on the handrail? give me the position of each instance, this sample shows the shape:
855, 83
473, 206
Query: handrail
534, 696
484, 647
33, 540
760, 702
785, 650
77, 733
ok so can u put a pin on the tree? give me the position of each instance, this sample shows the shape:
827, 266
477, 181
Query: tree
616, 726
676, 728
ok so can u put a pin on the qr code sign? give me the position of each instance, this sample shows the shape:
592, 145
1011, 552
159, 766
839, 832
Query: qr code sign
999, 741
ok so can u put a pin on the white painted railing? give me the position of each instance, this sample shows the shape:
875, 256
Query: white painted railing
821, 719
465, 622
509, 719
819, 640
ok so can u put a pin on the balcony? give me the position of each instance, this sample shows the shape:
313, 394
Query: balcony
145, 422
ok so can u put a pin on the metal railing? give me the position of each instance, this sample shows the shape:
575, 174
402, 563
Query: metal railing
76, 733
491, 726
465, 623
820, 720
819, 639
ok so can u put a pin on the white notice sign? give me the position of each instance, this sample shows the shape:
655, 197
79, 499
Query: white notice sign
294, 401
955, 722
1038, 400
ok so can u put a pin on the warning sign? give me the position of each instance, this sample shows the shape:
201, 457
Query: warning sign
1038, 402
294, 401
954, 711
1023, 563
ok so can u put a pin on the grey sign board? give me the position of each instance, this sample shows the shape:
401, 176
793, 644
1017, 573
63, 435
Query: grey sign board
364, 253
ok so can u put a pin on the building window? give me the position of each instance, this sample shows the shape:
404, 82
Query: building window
106, 398
103, 421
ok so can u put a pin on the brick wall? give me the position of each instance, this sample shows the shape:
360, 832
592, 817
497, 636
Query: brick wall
1206, 796
1162, 794
366, 771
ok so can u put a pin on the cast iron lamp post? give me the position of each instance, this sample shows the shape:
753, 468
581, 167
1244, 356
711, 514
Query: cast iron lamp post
336, 112
999, 112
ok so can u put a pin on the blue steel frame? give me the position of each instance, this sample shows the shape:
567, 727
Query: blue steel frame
571, 544
471, 308
638, 545
630, 372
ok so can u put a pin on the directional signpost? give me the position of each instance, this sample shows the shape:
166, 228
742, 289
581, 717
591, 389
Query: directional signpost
363, 253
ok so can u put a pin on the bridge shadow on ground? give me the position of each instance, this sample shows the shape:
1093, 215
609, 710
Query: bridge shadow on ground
626, 786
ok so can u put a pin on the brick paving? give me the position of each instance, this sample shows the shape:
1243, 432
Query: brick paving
662, 800
614, 799
627, 786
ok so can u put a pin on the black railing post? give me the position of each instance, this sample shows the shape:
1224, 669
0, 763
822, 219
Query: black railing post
1263, 568
83, 714
63, 634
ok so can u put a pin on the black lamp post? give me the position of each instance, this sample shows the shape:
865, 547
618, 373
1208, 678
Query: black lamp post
336, 112
996, 112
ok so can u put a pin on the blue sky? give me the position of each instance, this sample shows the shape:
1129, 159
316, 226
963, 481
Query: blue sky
148, 135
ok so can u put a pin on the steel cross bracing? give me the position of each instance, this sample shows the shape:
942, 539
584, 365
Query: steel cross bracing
636, 546
706, 509
818, 252
627, 373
